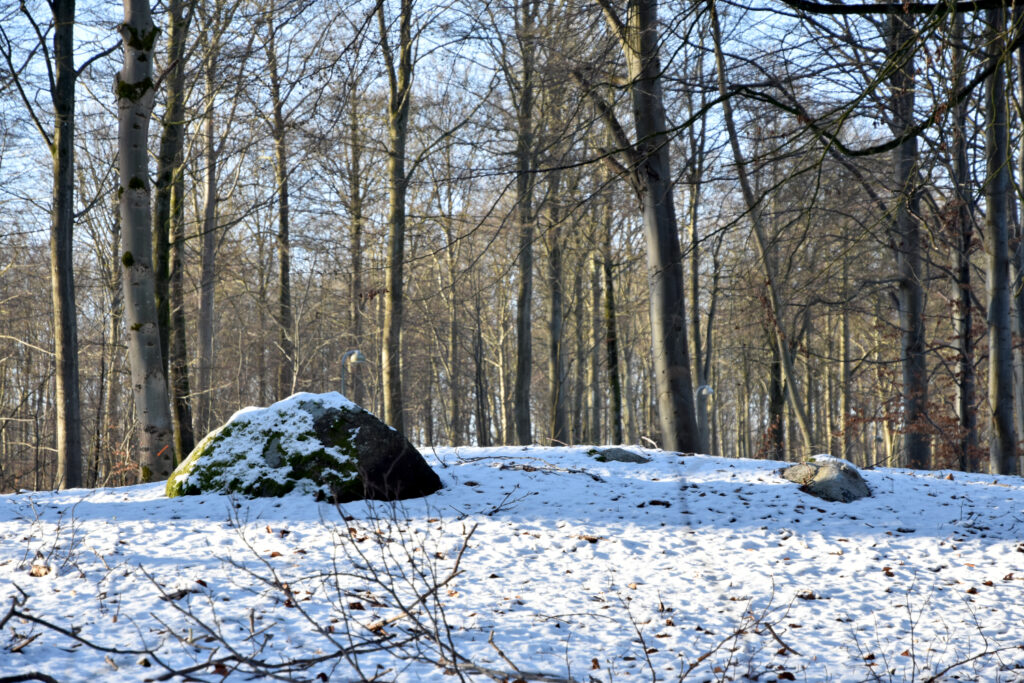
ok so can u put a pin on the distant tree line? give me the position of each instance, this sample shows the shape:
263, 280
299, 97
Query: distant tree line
753, 230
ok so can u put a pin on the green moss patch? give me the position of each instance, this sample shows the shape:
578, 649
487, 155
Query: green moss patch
274, 451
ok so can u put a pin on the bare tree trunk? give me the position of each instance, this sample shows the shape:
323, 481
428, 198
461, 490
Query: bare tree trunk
181, 400
1003, 444
845, 370
208, 251
526, 26
172, 132
653, 182
168, 235
135, 105
558, 406
594, 399
579, 430
917, 450
483, 427
775, 440
356, 194
285, 321
611, 331
62, 279
963, 236
697, 140
400, 91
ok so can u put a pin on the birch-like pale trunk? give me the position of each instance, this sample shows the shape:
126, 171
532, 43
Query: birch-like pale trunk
135, 96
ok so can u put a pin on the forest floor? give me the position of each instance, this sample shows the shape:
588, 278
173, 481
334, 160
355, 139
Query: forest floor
695, 568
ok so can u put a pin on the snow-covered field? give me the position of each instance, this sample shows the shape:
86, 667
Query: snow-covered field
685, 567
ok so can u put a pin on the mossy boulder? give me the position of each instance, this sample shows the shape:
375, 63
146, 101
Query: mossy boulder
322, 444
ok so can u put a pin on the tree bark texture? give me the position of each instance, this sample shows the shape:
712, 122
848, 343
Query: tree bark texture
135, 96
168, 235
639, 38
181, 394
907, 235
62, 279
962, 225
1003, 442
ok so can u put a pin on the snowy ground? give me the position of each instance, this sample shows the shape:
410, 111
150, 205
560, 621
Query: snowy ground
695, 567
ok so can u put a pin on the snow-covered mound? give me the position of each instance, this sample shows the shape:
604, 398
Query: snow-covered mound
530, 561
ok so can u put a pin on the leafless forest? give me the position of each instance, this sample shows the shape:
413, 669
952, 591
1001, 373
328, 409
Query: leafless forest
753, 229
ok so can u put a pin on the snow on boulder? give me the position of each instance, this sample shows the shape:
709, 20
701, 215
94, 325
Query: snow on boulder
322, 444
831, 479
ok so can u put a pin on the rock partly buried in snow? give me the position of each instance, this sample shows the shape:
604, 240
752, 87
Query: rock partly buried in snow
829, 479
617, 455
321, 444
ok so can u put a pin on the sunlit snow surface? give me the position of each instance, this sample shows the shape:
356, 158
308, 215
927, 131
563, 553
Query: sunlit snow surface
580, 569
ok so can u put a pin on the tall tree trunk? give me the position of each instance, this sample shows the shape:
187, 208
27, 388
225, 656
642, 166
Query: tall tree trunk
775, 441
1003, 444
181, 399
208, 251
526, 26
62, 279
483, 428
558, 406
638, 36
135, 96
356, 193
963, 236
172, 135
400, 76
703, 389
594, 400
611, 331
1018, 254
844, 370
168, 234
454, 356
285, 321
907, 232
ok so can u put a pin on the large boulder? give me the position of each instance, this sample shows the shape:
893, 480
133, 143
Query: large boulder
322, 444
830, 479
616, 454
